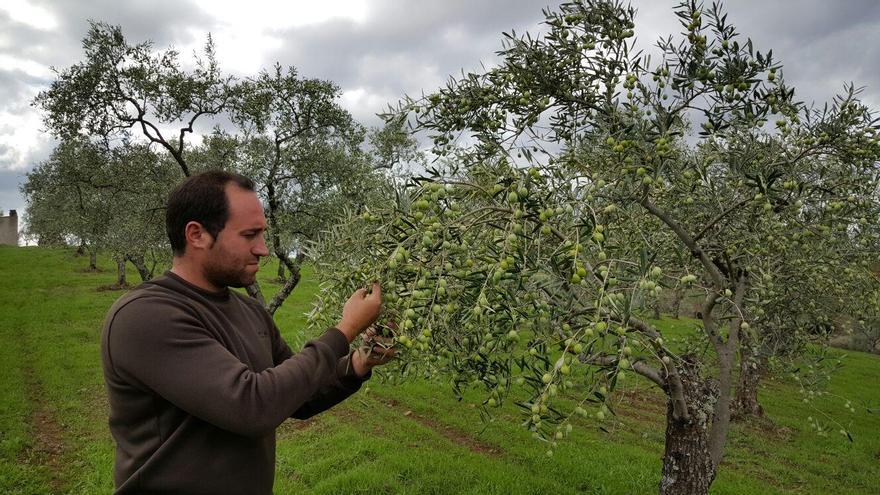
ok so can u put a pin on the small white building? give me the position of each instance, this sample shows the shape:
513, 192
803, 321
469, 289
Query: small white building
9, 229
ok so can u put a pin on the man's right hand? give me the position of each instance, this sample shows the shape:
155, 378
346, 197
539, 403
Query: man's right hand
360, 311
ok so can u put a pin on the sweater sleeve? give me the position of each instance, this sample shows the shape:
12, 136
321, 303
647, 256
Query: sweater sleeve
347, 382
161, 345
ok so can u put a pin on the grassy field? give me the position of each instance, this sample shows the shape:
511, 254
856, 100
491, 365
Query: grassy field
392, 438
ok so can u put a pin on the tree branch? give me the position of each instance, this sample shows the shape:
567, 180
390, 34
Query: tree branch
650, 373
698, 253
718, 218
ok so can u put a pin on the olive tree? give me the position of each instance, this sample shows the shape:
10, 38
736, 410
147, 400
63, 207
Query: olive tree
395, 150
576, 189
303, 150
136, 229
288, 133
123, 89
103, 199
61, 201
802, 303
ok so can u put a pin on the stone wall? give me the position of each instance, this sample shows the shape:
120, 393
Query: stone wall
9, 229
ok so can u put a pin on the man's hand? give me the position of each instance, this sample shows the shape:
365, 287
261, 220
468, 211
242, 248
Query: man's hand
360, 311
377, 350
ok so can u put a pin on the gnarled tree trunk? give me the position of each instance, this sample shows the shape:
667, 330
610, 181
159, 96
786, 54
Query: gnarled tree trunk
751, 368
687, 463
138, 262
254, 291
120, 272
93, 260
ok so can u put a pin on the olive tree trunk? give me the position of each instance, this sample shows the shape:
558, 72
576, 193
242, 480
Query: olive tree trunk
751, 369
120, 272
675, 306
138, 262
284, 261
688, 468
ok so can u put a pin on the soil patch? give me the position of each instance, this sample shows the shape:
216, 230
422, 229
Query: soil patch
641, 405
449, 432
48, 448
293, 426
765, 427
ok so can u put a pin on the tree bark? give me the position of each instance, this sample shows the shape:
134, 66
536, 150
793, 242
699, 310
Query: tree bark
677, 297
721, 411
93, 260
254, 291
281, 272
284, 261
746, 403
687, 464
120, 272
285, 291
138, 262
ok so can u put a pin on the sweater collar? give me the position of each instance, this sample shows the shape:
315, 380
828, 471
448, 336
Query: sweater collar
219, 296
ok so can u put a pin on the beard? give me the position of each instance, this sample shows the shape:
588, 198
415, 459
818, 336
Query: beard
224, 270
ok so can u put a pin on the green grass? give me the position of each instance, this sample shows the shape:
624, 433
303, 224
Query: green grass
393, 438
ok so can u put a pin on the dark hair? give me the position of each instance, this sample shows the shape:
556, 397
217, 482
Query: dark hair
200, 198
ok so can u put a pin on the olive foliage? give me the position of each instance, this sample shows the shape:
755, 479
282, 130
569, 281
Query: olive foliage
579, 179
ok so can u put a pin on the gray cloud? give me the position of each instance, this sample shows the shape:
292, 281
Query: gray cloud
822, 45
406, 47
10, 199
18, 88
164, 22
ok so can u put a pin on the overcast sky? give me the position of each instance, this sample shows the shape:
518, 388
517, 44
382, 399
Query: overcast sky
379, 50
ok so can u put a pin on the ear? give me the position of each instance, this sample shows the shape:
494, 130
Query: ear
197, 236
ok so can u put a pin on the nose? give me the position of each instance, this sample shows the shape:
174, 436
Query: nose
260, 248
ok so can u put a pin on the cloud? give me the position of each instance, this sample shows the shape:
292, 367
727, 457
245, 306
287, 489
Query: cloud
402, 47
822, 45
30, 14
379, 50
10, 198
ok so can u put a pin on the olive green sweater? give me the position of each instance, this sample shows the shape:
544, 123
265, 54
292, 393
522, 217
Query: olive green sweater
198, 382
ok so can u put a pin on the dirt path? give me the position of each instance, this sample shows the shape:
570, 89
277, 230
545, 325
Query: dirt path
450, 432
47, 449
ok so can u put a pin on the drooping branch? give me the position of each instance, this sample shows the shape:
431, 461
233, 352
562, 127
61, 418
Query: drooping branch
672, 384
650, 373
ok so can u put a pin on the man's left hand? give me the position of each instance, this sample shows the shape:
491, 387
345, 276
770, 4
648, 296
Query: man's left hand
376, 350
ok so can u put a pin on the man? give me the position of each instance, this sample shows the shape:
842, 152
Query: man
198, 375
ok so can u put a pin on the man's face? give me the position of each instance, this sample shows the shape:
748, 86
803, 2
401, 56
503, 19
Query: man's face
233, 259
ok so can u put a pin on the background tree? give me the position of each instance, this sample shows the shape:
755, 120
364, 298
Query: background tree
303, 150
123, 88
288, 133
395, 149
103, 199
136, 229
63, 202
535, 277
